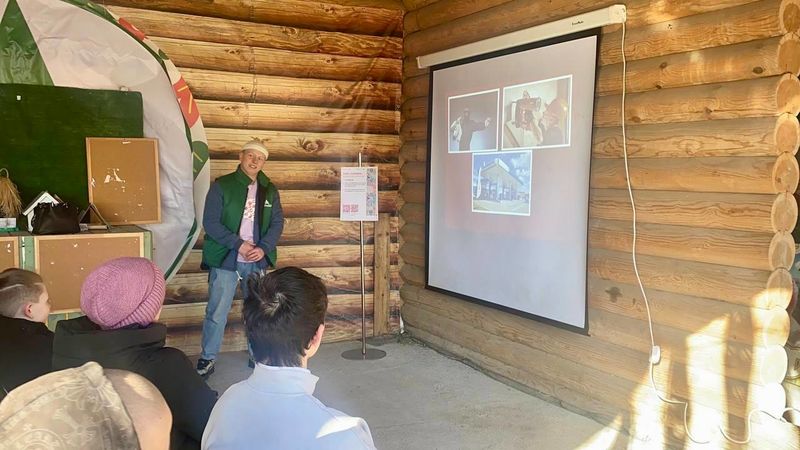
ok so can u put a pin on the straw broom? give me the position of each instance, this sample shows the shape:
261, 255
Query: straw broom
10, 203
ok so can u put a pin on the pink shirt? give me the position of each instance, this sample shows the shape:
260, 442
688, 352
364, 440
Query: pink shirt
248, 217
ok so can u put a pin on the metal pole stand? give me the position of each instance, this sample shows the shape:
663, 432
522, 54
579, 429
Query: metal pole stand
363, 353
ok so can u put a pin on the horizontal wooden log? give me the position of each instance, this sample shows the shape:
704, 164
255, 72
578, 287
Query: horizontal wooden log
192, 287
326, 203
330, 16
414, 130
226, 31
345, 255
412, 5
415, 108
226, 143
413, 253
265, 61
414, 151
758, 175
411, 68
792, 400
396, 5
781, 251
743, 23
297, 118
322, 230
413, 213
310, 175
784, 213
415, 87
740, 286
738, 99
752, 326
413, 192
413, 275
413, 233
245, 87
764, 136
694, 31
640, 12
745, 212
414, 172
761, 364
754, 59
444, 11
538, 339
727, 247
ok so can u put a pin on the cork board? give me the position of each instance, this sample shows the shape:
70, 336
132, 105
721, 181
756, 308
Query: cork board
9, 252
123, 179
64, 261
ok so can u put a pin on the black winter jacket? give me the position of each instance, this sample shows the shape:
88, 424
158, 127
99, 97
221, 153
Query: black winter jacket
141, 350
25, 352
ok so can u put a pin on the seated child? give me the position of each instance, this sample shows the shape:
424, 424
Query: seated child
122, 299
26, 344
275, 408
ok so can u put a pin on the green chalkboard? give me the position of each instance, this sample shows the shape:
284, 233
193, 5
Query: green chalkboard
43, 131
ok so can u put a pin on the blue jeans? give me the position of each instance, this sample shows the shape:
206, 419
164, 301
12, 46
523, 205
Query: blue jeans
221, 289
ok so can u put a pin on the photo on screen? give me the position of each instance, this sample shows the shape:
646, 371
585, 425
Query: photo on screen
472, 120
501, 183
537, 114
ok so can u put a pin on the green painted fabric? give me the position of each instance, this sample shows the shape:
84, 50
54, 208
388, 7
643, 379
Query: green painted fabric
20, 60
43, 142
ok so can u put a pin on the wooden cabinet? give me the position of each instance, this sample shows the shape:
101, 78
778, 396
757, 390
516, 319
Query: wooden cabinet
64, 261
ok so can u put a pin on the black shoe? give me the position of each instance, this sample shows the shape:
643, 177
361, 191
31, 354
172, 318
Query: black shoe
250, 363
205, 367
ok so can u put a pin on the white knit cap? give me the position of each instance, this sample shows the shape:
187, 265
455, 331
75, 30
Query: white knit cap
256, 146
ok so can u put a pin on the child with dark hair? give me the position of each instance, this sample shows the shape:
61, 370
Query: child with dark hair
284, 315
26, 345
122, 300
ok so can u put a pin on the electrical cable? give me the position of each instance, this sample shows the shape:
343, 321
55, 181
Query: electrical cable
654, 349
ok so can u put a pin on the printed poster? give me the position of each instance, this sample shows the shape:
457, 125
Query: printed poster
359, 194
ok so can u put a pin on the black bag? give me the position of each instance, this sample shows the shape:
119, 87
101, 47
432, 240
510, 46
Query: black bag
49, 218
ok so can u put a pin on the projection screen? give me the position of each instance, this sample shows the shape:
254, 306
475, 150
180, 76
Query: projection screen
508, 178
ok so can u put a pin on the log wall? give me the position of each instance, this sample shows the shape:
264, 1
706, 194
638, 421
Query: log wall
320, 83
711, 115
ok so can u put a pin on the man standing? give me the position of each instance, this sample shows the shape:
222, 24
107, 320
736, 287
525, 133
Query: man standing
465, 128
243, 221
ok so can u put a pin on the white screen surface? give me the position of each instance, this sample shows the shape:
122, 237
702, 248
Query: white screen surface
510, 152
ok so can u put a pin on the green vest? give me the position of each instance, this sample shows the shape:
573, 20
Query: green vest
234, 196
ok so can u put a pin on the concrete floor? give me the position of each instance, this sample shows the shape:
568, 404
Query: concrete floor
416, 398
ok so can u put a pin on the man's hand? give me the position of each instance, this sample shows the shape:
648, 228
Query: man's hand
255, 254
246, 248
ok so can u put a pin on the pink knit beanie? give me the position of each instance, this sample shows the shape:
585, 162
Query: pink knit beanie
122, 292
